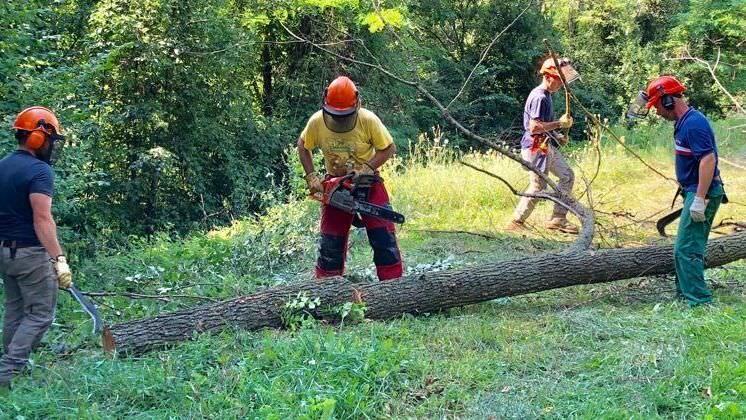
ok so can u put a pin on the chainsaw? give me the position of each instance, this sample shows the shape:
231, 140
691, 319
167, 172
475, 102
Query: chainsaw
349, 192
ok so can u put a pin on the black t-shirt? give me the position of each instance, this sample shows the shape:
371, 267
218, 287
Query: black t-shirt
21, 174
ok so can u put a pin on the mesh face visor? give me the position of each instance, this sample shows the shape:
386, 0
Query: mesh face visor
58, 142
568, 70
638, 106
340, 123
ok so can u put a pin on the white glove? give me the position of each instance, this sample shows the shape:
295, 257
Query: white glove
64, 275
697, 209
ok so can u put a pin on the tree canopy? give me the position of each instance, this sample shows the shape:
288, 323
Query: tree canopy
180, 114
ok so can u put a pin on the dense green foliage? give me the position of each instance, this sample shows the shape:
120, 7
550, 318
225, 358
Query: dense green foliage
180, 113
620, 44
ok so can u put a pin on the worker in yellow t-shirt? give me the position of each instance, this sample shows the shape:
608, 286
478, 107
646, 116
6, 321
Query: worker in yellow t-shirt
352, 139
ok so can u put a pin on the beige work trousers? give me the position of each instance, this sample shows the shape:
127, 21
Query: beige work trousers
556, 165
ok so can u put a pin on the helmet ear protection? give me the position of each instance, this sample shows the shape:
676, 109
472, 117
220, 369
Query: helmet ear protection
39, 125
38, 136
662, 92
667, 101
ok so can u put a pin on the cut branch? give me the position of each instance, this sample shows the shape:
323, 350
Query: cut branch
417, 294
711, 69
542, 196
733, 164
458, 232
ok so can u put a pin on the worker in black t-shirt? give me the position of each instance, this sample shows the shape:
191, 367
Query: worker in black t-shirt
32, 264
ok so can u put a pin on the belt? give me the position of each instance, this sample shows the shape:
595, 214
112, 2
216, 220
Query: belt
9, 243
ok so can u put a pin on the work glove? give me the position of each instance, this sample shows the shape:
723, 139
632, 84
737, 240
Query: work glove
565, 121
314, 183
64, 275
697, 209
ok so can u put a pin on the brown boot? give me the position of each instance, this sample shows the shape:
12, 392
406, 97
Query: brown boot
562, 225
515, 226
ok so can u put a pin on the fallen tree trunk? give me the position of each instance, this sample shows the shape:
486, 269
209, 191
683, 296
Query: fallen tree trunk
414, 294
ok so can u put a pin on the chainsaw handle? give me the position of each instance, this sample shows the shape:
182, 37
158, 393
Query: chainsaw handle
330, 184
338, 179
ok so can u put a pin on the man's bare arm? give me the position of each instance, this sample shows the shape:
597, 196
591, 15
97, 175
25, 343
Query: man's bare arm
539, 127
382, 156
44, 226
706, 172
306, 159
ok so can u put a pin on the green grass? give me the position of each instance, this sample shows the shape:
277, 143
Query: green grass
621, 350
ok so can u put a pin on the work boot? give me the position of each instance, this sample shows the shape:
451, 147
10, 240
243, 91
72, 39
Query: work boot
562, 225
516, 226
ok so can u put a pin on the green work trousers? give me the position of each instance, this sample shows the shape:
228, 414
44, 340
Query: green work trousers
690, 248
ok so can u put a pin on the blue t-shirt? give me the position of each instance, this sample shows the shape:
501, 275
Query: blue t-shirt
21, 174
693, 139
538, 107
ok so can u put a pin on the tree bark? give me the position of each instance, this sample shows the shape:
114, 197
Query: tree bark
415, 294
267, 71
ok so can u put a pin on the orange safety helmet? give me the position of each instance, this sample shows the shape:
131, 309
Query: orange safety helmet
664, 85
548, 68
341, 97
40, 122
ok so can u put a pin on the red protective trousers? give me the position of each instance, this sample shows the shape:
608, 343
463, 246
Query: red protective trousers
335, 230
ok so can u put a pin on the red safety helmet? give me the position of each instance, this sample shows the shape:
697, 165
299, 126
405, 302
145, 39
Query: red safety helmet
341, 97
664, 85
40, 122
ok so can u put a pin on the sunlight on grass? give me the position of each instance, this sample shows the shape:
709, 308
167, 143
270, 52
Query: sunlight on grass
435, 192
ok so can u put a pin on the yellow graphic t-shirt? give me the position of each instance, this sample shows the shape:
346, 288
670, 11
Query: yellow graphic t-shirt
344, 150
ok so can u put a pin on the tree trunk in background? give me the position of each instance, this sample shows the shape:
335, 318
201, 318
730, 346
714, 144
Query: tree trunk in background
415, 294
267, 73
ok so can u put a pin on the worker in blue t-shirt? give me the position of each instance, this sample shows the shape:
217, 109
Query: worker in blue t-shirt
539, 146
32, 265
699, 178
